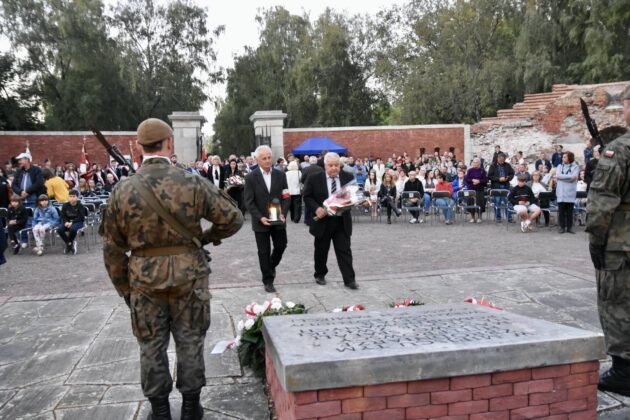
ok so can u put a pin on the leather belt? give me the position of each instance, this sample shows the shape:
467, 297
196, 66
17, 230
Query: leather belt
163, 251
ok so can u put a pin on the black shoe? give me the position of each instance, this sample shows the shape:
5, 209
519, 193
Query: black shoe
269, 288
320, 280
561, 230
389, 220
68, 249
352, 285
570, 231
191, 409
160, 409
617, 378
16, 249
273, 272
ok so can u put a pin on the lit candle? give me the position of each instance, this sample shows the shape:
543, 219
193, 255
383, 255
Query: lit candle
273, 213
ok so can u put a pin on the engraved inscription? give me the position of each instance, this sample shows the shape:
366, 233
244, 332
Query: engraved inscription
403, 328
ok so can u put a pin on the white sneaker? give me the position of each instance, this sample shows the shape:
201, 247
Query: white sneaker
35, 249
420, 220
412, 221
24, 245
479, 220
523, 227
40, 251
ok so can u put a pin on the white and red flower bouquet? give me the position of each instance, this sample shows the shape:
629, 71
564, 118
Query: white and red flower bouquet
405, 303
483, 302
249, 340
343, 199
235, 181
350, 308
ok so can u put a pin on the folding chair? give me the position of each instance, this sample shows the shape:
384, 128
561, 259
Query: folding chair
437, 207
466, 200
579, 209
498, 200
409, 204
28, 230
548, 197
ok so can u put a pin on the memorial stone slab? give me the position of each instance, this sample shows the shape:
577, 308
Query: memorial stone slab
320, 351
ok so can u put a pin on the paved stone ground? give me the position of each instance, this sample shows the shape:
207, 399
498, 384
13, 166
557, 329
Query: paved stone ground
67, 352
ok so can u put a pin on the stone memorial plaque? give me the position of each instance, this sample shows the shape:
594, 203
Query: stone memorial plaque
330, 350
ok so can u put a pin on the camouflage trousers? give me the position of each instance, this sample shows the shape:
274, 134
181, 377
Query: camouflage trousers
613, 302
183, 311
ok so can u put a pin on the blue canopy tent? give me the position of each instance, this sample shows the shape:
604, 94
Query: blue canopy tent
316, 145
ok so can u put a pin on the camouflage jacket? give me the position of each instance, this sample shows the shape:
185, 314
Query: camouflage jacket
130, 224
607, 223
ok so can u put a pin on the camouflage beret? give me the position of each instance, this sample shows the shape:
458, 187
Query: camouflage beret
626, 93
153, 130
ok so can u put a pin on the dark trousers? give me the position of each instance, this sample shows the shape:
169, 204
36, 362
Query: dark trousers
307, 216
13, 230
388, 203
341, 242
296, 208
184, 312
480, 201
565, 215
68, 234
267, 259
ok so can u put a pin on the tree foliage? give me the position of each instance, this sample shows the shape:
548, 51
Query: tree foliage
111, 69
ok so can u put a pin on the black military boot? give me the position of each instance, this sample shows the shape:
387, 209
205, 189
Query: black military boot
617, 378
160, 409
191, 409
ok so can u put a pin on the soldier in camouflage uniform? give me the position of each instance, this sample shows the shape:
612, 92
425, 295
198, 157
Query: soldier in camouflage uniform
609, 234
165, 279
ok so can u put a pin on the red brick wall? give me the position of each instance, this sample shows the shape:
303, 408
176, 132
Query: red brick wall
567, 392
61, 148
383, 142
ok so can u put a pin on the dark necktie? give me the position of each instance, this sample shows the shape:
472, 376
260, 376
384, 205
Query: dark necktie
216, 174
333, 185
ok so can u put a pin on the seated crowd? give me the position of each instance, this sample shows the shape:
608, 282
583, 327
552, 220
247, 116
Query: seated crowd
430, 182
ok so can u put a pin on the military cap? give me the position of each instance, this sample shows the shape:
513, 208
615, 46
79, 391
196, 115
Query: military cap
626, 94
153, 130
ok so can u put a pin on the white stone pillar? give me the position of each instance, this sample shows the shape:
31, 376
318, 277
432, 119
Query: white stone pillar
270, 123
187, 135
468, 145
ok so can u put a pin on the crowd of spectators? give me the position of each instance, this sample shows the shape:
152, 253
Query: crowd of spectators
437, 182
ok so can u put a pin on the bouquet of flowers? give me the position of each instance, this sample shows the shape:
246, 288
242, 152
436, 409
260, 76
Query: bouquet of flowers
407, 302
483, 302
234, 181
249, 341
342, 200
349, 308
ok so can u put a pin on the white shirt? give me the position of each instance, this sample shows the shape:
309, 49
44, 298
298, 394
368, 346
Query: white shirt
216, 175
267, 178
329, 182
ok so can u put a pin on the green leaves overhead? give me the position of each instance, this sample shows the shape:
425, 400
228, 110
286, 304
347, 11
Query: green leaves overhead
114, 68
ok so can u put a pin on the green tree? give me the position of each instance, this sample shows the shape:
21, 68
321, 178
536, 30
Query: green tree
71, 59
18, 108
167, 55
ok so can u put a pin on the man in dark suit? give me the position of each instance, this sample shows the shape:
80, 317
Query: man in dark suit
261, 187
306, 172
338, 229
542, 160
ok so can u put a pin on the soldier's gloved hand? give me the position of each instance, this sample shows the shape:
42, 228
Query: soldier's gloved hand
598, 255
127, 298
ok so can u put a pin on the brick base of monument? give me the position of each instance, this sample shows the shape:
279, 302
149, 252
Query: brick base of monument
563, 392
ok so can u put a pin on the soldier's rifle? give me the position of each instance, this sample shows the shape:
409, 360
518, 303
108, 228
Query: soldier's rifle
592, 126
113, 151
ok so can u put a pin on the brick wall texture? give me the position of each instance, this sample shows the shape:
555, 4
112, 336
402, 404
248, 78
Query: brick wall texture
564, 392
385, 142
61, 148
